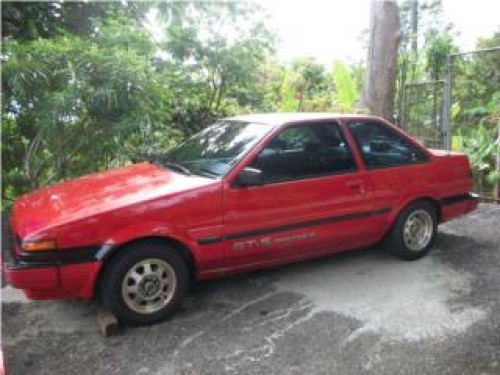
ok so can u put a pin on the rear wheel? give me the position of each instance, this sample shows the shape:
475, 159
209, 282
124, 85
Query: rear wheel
414, 232
145, 283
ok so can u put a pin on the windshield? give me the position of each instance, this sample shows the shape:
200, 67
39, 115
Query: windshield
216, 149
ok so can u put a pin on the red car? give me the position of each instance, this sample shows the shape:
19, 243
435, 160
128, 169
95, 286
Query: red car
245, 193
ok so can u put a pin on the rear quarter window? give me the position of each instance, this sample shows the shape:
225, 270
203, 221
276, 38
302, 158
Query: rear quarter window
382, 147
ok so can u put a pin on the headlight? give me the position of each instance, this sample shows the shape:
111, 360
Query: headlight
42, 245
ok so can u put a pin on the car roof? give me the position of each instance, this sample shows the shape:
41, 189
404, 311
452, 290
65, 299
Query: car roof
283, 118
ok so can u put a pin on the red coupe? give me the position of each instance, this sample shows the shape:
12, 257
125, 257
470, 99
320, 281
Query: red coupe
245, 193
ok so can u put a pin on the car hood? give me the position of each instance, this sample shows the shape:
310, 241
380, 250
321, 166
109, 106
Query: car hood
100, 192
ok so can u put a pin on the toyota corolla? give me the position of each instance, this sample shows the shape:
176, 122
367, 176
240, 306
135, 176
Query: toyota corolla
245, 193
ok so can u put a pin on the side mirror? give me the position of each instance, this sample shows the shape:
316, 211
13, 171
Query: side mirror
380, 146
249, 177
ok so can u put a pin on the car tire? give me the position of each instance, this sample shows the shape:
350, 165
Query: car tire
414, 232
144, 283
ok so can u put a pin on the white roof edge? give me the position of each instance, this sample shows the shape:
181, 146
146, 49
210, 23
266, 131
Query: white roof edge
282, 118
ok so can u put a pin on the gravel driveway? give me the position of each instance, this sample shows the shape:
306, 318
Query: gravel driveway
361, 312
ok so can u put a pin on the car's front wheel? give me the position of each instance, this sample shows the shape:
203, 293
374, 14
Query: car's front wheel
144, 284
414, 232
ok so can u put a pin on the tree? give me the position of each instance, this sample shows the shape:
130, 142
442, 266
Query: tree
421, 22
31, 20
57, 90
88, 88
218, 51
381, 73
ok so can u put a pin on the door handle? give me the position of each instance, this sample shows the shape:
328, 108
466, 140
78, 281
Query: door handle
356, 185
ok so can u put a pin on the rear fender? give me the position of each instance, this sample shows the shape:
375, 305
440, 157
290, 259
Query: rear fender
428, 194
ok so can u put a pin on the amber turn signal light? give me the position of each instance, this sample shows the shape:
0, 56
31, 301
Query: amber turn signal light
42, 245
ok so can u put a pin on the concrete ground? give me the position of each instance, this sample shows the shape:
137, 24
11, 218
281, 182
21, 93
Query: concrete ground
361, 312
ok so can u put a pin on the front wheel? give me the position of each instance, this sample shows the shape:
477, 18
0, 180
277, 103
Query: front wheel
145, 283
414, 232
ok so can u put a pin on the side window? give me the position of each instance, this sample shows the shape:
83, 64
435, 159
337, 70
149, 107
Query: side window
381, 146
304, 151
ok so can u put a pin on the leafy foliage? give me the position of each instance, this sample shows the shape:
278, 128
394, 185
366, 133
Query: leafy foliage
22, 20
481, 146
89, 94
346, 88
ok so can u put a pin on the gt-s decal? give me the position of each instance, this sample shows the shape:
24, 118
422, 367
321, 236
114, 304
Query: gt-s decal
246, 245
269, 241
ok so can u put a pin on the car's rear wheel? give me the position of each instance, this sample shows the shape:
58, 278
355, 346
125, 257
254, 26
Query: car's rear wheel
145, 283
414, 232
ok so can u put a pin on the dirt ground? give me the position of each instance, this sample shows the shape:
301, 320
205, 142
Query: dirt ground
361, 312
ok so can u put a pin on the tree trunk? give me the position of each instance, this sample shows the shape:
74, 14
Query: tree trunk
496, 193
378, 93
414, 29
414, 39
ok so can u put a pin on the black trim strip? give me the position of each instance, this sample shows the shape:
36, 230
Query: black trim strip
303, 224
29, 265
54, 258
209, 240
457, 198
382, 211
77, 255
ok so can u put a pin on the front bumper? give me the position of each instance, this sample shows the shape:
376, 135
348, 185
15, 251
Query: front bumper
44, 276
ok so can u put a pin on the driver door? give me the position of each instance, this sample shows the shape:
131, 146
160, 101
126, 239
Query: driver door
312, 199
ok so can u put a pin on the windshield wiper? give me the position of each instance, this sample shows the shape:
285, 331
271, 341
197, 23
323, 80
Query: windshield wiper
176, 166
209, 172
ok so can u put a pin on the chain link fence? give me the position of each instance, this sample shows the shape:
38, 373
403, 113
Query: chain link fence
421, 113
